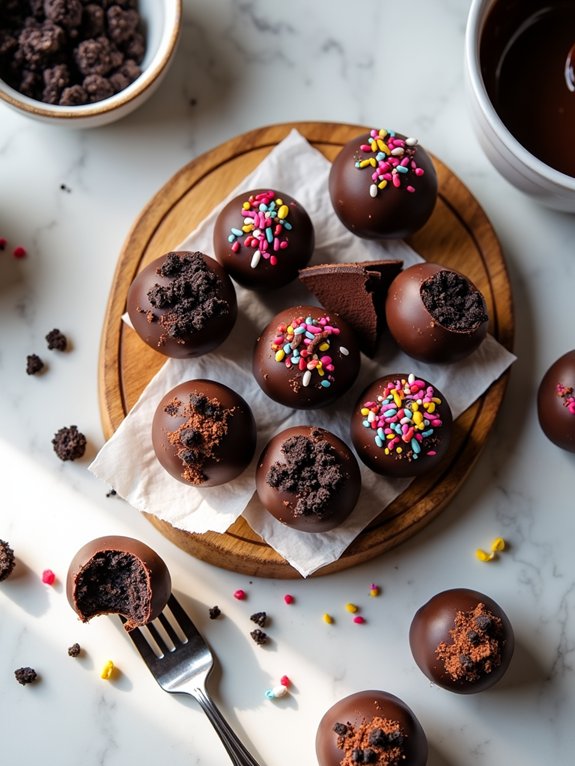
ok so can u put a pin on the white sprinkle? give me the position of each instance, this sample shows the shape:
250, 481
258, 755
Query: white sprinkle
279, 691
399, 151
306, 378
373, 190
343, 350
411, 141
255, 259
410, 378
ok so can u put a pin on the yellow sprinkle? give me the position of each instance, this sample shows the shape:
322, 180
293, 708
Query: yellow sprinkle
319, 369
279, 201
415, 407
351, 608
246, 228
246, 206
327, 618
417, 417
364, 411
498, 544
290, 330
382, 184
374, 591
323, 346
107, 671
283, 211
483, 555
397, 399
364, 163
382, 146
280, 355
430, 407
382, 133
399, 450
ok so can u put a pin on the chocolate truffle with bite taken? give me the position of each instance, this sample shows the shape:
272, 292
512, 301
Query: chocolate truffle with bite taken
308, 479
556, 402
370, 727
262, 238
306, 357
203, 433
383, 185
182, 304
401, 425
118, 575
462, 640
435, 314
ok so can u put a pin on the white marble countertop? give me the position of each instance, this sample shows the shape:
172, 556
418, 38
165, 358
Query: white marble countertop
69, 198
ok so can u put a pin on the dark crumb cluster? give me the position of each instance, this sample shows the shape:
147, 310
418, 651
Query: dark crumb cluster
69, 443
25, 675
34, 364
56, 340
260, 618
379, 742
214, 612
259, 636
453, 301
74, 650
70, 52
7, 560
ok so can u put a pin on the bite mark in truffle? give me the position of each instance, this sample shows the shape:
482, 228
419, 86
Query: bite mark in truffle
453, 301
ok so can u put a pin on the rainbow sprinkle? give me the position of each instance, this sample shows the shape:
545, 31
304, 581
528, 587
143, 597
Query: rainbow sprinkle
567, 394
264, 228
404, 418
391, 160
304, 344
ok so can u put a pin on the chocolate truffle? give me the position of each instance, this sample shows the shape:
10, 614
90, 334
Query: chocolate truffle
7, 560
203, 433
306, 358
183, 304
556, 402
262, 238
401, 425
308, 479
462, 640
355, 291
370, 727
435, 314
118, 575
383, 185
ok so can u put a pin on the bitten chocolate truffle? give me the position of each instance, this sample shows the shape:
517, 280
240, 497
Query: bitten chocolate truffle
435, 314
203, 433
118, 575
401, 425
306, 357
308, 479
383, 185
556, 402
183, 304
372, 727
262, 238
462, 640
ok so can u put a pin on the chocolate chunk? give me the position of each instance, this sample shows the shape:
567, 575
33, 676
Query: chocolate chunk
33, 364
56, 340
260, 618
25, 675
259, 636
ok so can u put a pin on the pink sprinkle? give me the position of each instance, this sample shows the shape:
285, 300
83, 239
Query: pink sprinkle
396, 181
19, 252
419, 171
358, 619
240, 594
284, 681
48, 577
283, 244
273, 260
288, 598
236, 246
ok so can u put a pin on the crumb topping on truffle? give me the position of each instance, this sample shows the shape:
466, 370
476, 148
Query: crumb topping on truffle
453, 301
378, 741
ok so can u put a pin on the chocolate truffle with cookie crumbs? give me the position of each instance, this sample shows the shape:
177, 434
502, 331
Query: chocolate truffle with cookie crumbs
308, 479
7, 560
183, 304
203, 433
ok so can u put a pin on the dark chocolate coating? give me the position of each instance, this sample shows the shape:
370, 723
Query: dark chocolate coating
400, 464
281, 504
556, 403
199, 342
157, 576
285, 259
231, 456
414, 329
395, 212
363, 707
431, 625
287, 385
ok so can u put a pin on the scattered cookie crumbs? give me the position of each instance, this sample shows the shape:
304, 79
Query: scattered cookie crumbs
359, 620
74, 650
33, 364
108, 670
111, 493
374, 590
56, 340
240, 594
327, 618
260, 618
69, 443
289, 599
214, 612
259, 637
19, 252
7, 560
65, 188
48, 577
352, 608
277, 692
25, 675
498, 545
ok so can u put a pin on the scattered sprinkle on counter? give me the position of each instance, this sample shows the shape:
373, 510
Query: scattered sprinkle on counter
277, 692
289, 599
285, 681
352, 608
240, 594
498, 545
19, 252
358, 619
48, 577
374, 590
25, 675
108, 670
328, 619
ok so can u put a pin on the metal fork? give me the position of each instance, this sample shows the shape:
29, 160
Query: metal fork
184, 668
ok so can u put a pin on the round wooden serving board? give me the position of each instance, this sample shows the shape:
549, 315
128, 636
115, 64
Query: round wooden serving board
458, 235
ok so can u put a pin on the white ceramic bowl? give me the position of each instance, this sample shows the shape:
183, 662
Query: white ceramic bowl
508, 156
163, 23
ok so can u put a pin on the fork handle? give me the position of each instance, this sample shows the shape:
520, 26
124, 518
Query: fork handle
237, 752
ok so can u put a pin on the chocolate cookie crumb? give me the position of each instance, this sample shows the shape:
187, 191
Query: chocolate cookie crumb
260, 618
74, 650
57, 341
259, 636
111, 493
25, 675
214, 612
7, 560
33, 364
69, 443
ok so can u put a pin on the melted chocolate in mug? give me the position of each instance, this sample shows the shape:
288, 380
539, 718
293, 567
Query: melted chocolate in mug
527, 58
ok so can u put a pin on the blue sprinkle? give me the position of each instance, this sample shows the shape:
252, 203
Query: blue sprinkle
389, 413
270, 695
381, 433
357, 164
237, 232
380, 156
308, 320
296, 352
379, 441
401, 169
366, 423
231, 238
299, 330
310, 335
325, 383
415, 446
269, 234
427, 433
287, 225
263, 207
287, 348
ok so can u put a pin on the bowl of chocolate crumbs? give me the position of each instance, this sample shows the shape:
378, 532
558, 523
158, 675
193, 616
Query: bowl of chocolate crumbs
84, 63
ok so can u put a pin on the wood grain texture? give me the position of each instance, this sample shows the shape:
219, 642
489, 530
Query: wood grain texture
458, 235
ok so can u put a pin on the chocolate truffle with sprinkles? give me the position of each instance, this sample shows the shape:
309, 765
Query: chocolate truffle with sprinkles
401, 425
262, 238
7, 560
462, 640
383, 185
183, 304
556, 402
306, 357
372, 727
203, 433
308, 479
69, 443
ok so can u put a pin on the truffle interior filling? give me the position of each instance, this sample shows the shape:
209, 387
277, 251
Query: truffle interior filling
453, 301
379, 741
114, 582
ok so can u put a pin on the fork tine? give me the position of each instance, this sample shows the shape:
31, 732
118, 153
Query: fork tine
158, 638
167, 625
181, 617
143, 647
